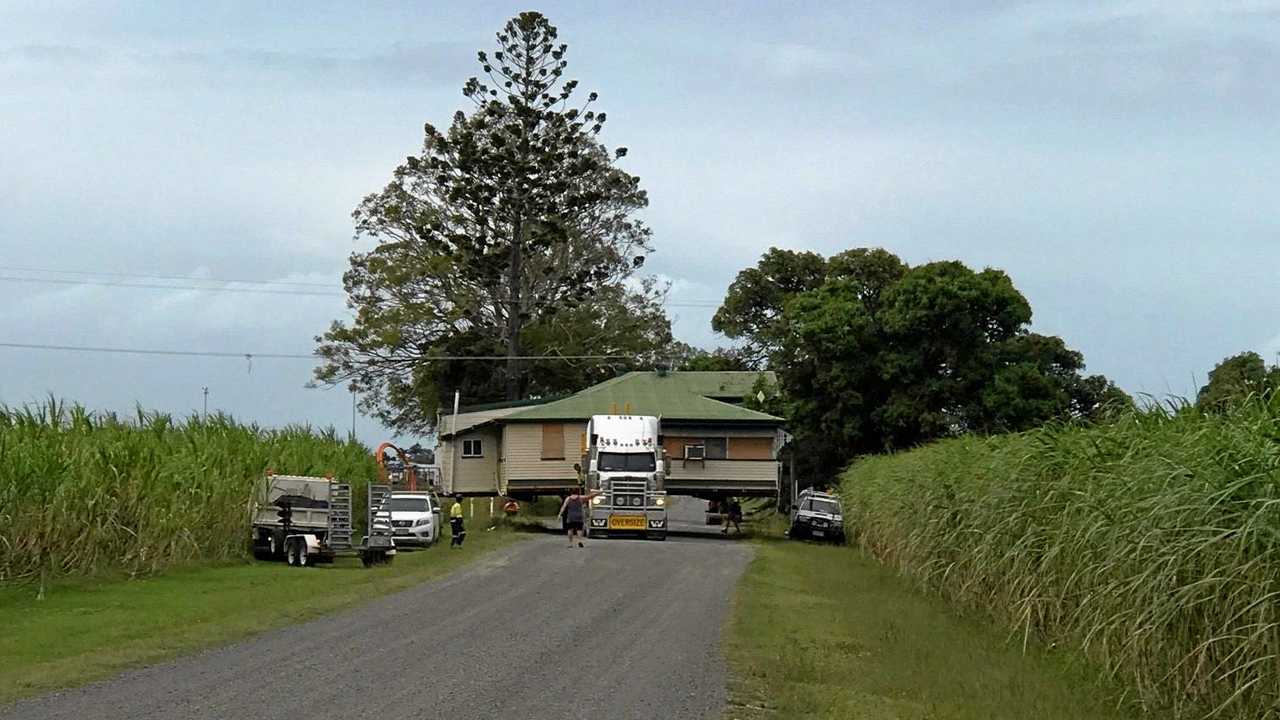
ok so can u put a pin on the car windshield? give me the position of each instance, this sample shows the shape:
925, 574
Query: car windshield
823, 506
408, 504
626, 462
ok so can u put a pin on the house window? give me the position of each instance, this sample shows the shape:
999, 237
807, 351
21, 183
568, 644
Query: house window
552, 441
715, 448
472, 449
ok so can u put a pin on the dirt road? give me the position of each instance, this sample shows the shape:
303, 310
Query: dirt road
621, 629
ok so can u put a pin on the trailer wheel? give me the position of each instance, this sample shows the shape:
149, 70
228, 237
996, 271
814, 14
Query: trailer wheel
304, 554
291, 552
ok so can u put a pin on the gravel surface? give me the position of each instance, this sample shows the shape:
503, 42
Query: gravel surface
620, 629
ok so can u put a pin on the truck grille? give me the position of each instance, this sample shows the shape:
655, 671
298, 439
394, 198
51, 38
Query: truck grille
627, 492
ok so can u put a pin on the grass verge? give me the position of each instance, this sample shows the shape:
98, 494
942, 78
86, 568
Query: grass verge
83, 631
826, 632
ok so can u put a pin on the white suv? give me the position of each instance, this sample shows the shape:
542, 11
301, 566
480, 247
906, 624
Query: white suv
415, 518
817, 515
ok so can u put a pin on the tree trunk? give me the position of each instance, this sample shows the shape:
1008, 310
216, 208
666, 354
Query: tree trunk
513, 313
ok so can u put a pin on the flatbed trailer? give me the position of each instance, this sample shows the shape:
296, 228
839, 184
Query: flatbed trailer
306, 521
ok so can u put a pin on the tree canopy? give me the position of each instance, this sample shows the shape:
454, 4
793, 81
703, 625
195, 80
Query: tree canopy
509, 234
875, 355
1236, 378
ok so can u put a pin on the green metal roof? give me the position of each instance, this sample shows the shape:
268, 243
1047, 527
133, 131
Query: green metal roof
671, 396
502, 404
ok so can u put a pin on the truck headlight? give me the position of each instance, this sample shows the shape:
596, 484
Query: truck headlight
597, 500
660, 501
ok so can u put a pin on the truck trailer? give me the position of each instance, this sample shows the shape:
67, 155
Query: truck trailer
626, 465
306, 521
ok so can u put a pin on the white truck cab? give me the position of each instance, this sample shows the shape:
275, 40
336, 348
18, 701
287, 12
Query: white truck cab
625, 464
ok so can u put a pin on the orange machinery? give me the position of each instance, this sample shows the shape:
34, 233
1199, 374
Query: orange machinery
410, 473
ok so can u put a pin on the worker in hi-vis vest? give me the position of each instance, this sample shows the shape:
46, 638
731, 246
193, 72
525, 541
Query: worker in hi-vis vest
455, 523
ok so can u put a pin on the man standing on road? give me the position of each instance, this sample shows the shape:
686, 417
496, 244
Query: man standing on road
572, 512
455, 523
734, 515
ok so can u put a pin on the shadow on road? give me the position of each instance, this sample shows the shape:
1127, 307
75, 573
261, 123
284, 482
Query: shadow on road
551, 526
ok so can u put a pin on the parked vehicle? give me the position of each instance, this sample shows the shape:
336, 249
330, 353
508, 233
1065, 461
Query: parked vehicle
307, 520
817, 515
625, 463
415, 518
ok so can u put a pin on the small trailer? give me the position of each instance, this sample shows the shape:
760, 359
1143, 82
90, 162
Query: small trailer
307, 521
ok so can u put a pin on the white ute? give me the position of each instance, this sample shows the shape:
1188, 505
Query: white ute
415, 518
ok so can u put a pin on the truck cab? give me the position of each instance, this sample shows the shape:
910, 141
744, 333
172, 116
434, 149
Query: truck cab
626, 465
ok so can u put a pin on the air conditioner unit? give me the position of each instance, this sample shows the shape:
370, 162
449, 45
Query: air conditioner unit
695, 452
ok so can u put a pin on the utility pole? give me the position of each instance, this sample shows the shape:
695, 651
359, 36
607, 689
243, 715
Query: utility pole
353, 414
206, 402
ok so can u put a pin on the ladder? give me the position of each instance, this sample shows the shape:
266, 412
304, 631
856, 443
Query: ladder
379, 511
339, 535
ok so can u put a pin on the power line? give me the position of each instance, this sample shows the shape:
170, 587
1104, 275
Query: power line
147, 276
146, 286
285, 356
268, 291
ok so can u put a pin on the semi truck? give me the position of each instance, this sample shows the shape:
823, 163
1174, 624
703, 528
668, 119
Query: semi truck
308, 520
625, 463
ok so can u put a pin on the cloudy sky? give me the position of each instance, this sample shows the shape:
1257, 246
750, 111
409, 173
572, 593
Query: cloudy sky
1115, 159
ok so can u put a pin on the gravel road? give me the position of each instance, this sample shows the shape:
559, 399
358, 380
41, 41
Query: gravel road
620, 629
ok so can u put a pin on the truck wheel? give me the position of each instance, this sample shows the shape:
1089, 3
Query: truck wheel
275, 545
304, 554
366, 558
291, 552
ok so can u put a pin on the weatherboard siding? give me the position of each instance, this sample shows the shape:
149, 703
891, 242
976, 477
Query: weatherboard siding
522, 454
473, 475
743, 476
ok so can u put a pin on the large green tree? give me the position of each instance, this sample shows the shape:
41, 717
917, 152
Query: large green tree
1236, 378
513, 221
752, 309
875, 355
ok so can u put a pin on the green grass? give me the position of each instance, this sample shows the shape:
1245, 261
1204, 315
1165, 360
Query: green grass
84, 630
84, 493
826, 632
1149, 545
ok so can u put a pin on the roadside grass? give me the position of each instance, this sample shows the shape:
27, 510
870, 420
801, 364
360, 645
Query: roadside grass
87, 630
826, 632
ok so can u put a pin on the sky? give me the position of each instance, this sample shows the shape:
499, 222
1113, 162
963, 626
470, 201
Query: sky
1119, 160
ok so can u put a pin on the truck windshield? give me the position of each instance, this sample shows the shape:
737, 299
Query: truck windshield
406, 504
626, 462
822, 506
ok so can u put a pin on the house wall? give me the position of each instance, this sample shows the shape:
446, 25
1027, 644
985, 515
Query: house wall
750, 466
523, 468
473, 475
734, 477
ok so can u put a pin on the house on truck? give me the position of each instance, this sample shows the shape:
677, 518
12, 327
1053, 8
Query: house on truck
715, 445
